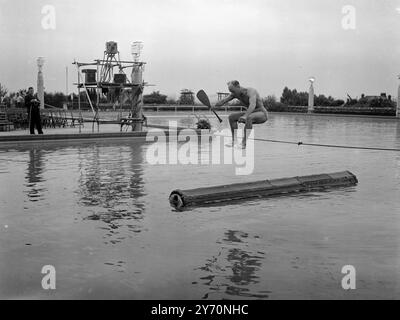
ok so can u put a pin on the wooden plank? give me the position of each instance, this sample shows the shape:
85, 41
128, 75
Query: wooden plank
225, 193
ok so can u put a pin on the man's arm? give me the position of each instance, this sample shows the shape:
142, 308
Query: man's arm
36, 99
27, 104
224, 101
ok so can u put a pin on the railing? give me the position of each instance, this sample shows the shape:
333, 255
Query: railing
192, 108
155, 107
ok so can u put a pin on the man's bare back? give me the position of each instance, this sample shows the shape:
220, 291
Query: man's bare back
245, 95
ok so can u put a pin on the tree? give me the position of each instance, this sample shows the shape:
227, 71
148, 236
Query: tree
155, 98
3, 92
271, 104
294, 98
269, 101
56, 99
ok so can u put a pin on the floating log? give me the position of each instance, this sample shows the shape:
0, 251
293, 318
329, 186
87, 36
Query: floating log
265, 188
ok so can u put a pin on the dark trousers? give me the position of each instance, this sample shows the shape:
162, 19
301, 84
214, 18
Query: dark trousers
35, 121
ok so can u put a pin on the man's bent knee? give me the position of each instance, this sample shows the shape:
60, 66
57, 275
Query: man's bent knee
234, 117
257, 118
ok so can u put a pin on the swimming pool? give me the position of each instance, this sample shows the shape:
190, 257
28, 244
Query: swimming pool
99, 213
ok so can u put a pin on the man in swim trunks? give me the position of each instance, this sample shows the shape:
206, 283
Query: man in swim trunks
255, 114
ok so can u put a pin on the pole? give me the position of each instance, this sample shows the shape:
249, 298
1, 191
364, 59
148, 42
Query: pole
311, 96
79, 100
65, 104
398, 100
40, 82
66, 81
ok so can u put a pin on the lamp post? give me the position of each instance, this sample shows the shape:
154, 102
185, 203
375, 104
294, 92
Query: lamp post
137, 79
136, 50
398, 100
311, 95
40, 81
137, 70
65, 103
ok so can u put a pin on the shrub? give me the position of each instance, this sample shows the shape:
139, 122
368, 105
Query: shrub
203, 124
155, 98
56, 99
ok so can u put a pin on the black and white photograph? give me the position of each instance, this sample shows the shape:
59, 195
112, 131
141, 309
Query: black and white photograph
217, 151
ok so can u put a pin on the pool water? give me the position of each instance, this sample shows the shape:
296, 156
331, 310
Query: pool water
99, 213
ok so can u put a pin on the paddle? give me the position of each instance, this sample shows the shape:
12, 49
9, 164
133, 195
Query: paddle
202, 96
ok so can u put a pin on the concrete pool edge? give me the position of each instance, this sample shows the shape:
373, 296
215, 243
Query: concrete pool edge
85, 136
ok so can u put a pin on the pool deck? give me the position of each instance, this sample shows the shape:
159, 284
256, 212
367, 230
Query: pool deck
69, 136
64, 135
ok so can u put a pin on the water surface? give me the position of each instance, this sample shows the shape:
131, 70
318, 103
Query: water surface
99, 213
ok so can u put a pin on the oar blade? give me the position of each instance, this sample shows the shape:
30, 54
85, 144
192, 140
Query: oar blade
203, 98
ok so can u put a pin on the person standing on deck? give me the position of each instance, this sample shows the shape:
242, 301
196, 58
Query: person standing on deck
20, 100
255, 114
32, 105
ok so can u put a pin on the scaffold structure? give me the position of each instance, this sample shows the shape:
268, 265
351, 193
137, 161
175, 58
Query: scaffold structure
105, 82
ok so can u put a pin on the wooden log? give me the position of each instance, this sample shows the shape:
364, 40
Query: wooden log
239, 191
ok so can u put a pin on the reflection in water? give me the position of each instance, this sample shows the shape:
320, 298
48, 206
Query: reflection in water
234, 270
3, 164
310, 134
111, 184
34, 175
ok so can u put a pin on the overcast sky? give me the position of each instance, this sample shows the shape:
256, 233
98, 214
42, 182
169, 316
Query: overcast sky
203, 43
